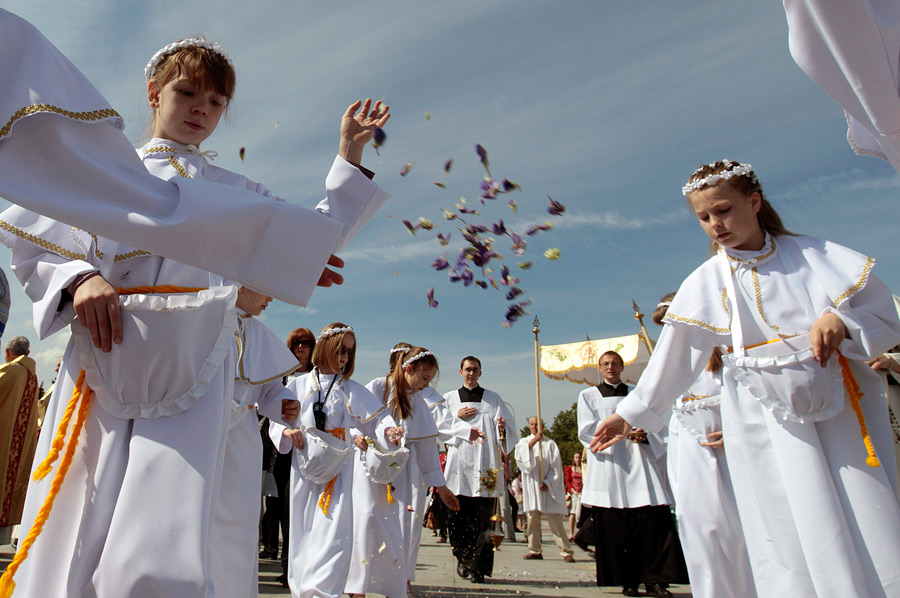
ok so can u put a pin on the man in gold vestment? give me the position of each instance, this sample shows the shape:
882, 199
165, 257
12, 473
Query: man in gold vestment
18, 430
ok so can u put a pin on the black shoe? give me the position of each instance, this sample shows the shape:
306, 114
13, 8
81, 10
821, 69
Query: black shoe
462, 571
630, 592
282, 579
658, 590
268, 553
476, 577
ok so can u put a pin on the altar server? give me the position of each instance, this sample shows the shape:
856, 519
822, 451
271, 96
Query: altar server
803, 417
474, 470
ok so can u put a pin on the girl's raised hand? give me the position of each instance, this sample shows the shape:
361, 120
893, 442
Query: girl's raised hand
358, 125
825, 335
329, 276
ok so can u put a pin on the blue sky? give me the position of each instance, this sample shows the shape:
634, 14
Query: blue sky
607, 107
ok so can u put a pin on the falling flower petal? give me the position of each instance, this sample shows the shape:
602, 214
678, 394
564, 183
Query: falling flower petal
449, 215
508, 186
513, 293
378, 137
489, 188
425, 224
432, 302
241, 153
553, 254
448, 165
498, 228
555, 208
406, 168
464, 210
513, 205
440, 184
440, 264
277, 122
524, 265
444, 239
481, 283
482, 154
518, 245
476, 228
427, 115
410, 227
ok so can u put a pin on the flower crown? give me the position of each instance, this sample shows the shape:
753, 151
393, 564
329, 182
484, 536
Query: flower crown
415, 358
735, 169
332, 331
663, 304
400, 350
189, 42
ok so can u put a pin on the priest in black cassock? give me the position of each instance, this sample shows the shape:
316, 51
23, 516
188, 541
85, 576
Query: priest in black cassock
474, 470
626, 489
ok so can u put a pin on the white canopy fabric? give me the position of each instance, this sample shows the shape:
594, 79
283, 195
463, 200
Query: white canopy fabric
577, 362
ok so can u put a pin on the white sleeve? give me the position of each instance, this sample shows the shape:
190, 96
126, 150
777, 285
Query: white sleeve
351, 198
269, 397
429, 461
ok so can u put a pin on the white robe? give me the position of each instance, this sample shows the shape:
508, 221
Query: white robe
626, 475
552, 500
386, 535
262, 361
62, 154
467, 462
851, 49
708, 523
816, 518
320, 545
114, 452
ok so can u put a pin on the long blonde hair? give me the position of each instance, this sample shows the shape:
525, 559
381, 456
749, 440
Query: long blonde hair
399, 402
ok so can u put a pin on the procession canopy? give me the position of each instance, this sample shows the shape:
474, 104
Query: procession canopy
577, 362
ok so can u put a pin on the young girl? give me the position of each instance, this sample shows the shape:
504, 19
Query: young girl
321, 512
708, 524
381, 521
132, 508
818, 517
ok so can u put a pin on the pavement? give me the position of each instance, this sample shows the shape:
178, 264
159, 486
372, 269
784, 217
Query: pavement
513, 576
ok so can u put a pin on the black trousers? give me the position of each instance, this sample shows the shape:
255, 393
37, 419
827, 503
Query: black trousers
637, 545
470, 533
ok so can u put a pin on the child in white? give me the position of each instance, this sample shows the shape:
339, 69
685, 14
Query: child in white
820, 514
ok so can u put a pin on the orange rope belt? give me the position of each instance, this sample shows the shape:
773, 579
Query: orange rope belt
325, 499
7, 585
853, 393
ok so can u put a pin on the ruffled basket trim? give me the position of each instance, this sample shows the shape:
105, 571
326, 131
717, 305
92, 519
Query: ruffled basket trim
213, 362
739, 373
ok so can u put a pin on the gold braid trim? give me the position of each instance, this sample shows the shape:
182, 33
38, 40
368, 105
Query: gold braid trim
178, 167
119, 258
672, 316
57, 249
38, 108
241, 340
863, 279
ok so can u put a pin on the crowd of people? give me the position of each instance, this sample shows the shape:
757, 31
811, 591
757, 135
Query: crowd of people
778, 457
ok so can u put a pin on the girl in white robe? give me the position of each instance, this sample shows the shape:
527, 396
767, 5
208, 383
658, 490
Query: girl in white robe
811, 462
383, 530
321, 511
262, 361
708, 523
133, 515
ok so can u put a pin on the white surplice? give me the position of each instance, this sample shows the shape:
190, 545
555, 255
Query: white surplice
468, 462
626, 475
817, 519
552, 500
851, 49
319, 552
262, 361
708, 523
63, 154
386, 535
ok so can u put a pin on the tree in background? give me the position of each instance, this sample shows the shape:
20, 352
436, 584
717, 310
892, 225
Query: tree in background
563, 431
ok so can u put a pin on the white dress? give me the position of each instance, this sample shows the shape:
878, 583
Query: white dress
63, 154
262, 361
817, 519
120, 451
708, 523
384, 533
321, 543
852, 50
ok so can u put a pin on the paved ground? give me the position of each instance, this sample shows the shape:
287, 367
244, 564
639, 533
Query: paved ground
513, 577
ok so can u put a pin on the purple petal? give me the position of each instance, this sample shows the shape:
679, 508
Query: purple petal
513, 293
410, 227
440, 264
555, 208
431, 300
448, 165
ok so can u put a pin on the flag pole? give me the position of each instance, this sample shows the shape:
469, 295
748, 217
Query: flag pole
537, 388
644, 334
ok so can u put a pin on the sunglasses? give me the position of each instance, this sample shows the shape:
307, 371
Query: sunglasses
307, 344
345, 350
